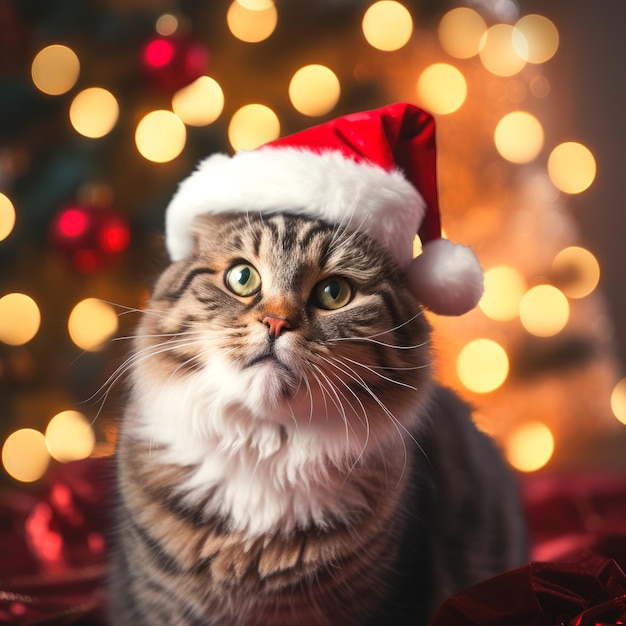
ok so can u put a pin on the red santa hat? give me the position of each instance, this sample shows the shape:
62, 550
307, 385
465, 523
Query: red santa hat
373, 172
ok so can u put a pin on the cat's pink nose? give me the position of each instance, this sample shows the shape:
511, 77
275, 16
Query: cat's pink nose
275, 325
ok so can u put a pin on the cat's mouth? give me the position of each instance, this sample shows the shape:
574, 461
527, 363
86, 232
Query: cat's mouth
269, 356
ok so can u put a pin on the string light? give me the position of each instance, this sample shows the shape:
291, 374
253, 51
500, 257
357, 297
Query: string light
55, 69
530, 446
618, 401
160, 136
504, 288
314, 90
519, 137
25, 456
578, 271
166, 24
544, 311
541, 37
69, 437
19, 319
94, 112
200, 103
482, 365
571, 167
460, 32
498, 53
251, 25
251, 126
441, 88
7, 217
387, 25
91, 323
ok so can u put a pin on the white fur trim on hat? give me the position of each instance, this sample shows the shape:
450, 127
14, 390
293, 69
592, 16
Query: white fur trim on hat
327, 186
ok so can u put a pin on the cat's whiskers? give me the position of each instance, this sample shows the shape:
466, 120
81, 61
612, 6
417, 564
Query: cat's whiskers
342, 359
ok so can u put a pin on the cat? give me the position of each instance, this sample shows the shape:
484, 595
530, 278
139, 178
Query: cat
286, 456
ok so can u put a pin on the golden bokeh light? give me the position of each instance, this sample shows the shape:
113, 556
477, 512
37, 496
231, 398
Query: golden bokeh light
69, 437
55, 69
530, 446
91, 323
571, 167
578, 270
441, 88
544, 311
7, 217
314, 90
256, 5
25, 456
504, 288
94, 112
387, 25
200, 103
460, 32
19, 319
482, 365
251, 24
252, 126
497, 52
618, 401
519, 137
166, 24
160, 136
541, 37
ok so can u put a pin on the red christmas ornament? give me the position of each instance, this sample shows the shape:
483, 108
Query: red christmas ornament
90, 237
170, 63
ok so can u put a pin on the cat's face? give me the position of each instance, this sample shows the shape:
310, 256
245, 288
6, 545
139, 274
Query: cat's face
291, 321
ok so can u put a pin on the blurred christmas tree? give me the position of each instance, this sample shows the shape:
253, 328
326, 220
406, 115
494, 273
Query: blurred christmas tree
105, 105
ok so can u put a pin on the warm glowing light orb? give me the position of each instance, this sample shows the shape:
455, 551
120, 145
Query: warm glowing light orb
69, 437
252, 126
7, 216
19, 319
256, 5
91, 323
55, 69
251, 24
579, 270
94, 112
25, 456
541, 37
314, 90
571, 167
166, 24
544, 311
387, 25
504, 288
519, 137
460, 32
441, 88
618, 401
160, 136
530, 446
497, 52
200, 103
482, 365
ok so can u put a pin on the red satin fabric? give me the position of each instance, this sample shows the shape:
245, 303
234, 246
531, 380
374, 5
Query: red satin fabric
53, 554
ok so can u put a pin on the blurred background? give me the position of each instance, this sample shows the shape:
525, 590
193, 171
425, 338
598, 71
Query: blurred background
105, 105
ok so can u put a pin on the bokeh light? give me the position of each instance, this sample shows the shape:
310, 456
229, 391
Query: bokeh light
541, 37
91, 323
160, 136
25, 456
69, 436
441, 88
166, 24
577, 271
460, 32
519, 137
7, 217
200, 103
544, 311
55, 69
504, 288
530, 446
571, 167
252, 126
94, 112
387, 25
497, 52
19, 319
618, 401
251, 24
314, 90
482, 365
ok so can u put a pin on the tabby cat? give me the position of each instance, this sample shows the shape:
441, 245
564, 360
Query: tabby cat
286, 457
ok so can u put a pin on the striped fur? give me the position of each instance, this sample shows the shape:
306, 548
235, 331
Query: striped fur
287, 480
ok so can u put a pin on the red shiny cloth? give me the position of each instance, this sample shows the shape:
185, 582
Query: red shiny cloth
53, 554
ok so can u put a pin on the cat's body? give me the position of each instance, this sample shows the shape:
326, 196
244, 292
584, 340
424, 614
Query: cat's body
286, 457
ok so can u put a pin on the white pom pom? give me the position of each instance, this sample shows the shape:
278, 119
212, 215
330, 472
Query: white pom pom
446, 278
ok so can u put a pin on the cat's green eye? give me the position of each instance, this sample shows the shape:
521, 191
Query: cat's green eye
243, 279
332, 293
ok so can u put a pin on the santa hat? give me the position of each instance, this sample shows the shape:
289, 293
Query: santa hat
373, 172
